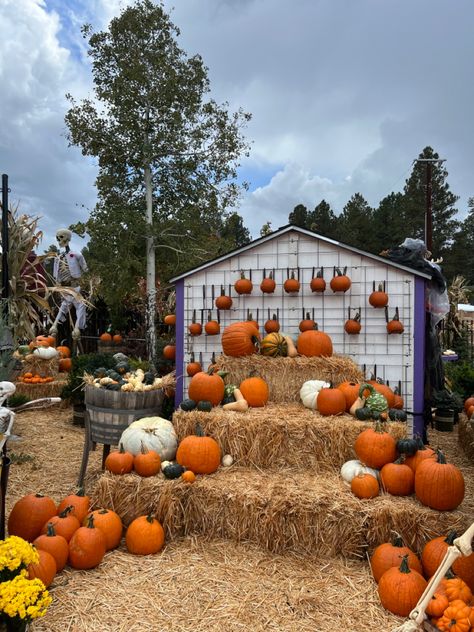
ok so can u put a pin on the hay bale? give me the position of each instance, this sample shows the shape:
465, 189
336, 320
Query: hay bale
280, 436
466, 435
285, 376
279, 510
36, 391
40, 366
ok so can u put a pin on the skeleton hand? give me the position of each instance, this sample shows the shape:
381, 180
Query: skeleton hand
76, 333
53, 330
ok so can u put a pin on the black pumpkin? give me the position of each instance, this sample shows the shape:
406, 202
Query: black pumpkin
204, 406
396, 414
228, 399
114, 375
364, 413
174, 470
188, 404
149, 378
100, 372
113, 387
122, 367
407, 446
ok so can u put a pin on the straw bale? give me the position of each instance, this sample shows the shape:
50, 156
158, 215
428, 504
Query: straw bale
285, 376
41, 366
280, 510
36, 391
281, 435
200, 586
466, 435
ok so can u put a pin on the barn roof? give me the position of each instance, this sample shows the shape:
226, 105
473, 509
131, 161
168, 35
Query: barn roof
288, 228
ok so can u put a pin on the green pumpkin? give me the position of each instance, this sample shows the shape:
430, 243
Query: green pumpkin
364, 413
204, 406
114, 375
174, 470
407, 446
396, 414
375, 401
188, 404
149, 378
24, 350
229, 389
113, 387
122, 367
100, 372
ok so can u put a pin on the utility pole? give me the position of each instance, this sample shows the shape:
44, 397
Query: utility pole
429, 199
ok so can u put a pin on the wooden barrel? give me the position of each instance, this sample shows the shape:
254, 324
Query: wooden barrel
111, 412
444, 419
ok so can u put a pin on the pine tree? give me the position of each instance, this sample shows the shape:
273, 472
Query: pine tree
389, 228
323, 221
299, 216
356, 226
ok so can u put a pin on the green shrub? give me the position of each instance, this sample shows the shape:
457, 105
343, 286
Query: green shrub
17, 400
460, 377
86, 363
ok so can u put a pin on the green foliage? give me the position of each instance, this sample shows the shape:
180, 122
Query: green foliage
447, 400
138, 363
17, 400
356, 224
86, 363
460, 377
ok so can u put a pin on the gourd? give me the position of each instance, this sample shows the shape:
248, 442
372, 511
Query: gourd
420, 455
87, 546
227, 460
273, 345
396, 414
188, 405
145, 536
198, 453
46, 353
239, 405
204, 406
309, 392
375, 401
353, 467
364, 413
407, 446
173, 470
29, 514
400, 588
340, 281
388, 554
243, 285
438, 484
456, 618
156, 433
292, 350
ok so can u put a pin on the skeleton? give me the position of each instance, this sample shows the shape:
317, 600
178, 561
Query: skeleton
7, 417
460, 546
68, 268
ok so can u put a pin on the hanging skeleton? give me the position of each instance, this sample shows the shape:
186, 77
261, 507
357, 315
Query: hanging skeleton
67, 271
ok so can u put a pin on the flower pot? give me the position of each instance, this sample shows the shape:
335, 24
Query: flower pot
444, 419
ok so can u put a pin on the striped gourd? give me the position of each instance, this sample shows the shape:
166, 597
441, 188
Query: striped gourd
274, 345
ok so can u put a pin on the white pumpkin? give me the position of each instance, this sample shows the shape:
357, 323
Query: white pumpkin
227, 460
309, 392
350, 469
46, 353
156, 434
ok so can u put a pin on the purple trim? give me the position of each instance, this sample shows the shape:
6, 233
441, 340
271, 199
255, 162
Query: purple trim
178, 398
419, 357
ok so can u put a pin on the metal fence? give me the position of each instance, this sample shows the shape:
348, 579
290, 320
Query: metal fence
451, 336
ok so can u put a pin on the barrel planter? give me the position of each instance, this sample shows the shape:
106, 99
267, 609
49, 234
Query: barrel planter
109, 413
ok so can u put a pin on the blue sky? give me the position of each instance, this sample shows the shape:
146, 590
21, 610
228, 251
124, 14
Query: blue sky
343, 96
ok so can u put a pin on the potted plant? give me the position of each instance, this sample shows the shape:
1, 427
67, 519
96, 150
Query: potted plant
447, 406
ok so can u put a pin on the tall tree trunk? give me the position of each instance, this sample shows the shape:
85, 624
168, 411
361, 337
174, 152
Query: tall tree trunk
150, 271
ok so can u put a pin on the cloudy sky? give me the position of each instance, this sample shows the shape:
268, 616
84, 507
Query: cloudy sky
344, 95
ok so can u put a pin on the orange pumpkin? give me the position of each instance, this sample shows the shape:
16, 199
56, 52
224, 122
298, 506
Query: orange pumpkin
105, 337
144, 536
87, 546
119, 461
65, 523
389, 554
438, 484
170, 319
365, 486
268, 284
318, 284
198, 453
146, 462
45, 569
239, 339
375, 447
352, 326
350, 390
223, 301
340, 281
188, 476
468, 403
243, 285
110, 524
64, 352
455, 588
420, 455
169, 352
456, 618
272, 325
54, 544
307, 323
331, 401
206, 386
291, 285
437, 605
212, 327
79, 502
117, 339
400, 589
397, 478
29, 514
314, 343
65, 365
378, 298
193, 367
255, 391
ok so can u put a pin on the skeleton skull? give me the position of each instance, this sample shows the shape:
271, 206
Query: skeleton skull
63, 237
6, 390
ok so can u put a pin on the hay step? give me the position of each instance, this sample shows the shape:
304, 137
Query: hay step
276, 436
280, 511
466, 436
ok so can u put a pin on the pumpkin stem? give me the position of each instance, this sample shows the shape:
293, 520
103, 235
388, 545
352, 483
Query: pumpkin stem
143, 448
452, 535
440, 457
397, 539
121, 448
199, 432
404, 568
450, 574
150, 518
50, 530
103, 511
80, 492
90, 522
65, 512
364, 387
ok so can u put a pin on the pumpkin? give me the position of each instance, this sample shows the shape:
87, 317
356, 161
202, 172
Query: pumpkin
364, 486
398, 400
156, 433
318, 284
207, 386
352, 326
268, 284
170, 319
394, 326
87, 546
119, 461
255, 391
340, 281
198, 453
146, 462
54, 544
65, 523
45, 569
364, 413
456, 618
145, 536
397, 478
331, 401
46, 353
188, 476
353, 467
65, 365
396, 414
434, 551
223, 301
110, 524
400, 588
79, 502
239, 339
350, 390
291, 285
314, 343
64, 351
407, 446
375, 447
188, 405
193, 367
468, 403
194, 328
29, 514
272, 325
243, 285
309, 392
420, 455
437, 605
378, 298
438, 484
169, 352
173, 470
374, 400
306, 323
117, 339
212, 327
105, 337
274, 345
388, 554
455, 588
227, 460
204, 406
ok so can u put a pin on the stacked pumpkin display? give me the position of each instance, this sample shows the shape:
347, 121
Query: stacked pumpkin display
42, 360
402, 578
